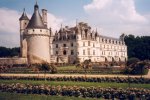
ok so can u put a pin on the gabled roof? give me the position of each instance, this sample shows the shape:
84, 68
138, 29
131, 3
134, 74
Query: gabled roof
36, 19
24, 16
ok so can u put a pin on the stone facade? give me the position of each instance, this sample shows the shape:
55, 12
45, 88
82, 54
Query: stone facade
39, 44
79, 42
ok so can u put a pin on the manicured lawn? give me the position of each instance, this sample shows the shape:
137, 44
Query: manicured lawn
68, 68
85, 84
14, 96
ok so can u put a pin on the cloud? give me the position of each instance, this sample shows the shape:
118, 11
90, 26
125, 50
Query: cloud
54, 22
9, 26
115, 16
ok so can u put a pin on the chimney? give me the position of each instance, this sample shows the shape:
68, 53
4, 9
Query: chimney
44, 16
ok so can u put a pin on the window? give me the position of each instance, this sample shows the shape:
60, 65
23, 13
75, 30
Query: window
83, 52
65, 52
88, 51
56, 45
93, 52
40, 30
72, 52
64, 45
93, 45
71, 44
33, 30
83, 43
56, 52
88, 43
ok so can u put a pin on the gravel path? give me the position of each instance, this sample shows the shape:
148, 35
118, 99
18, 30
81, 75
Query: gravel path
75, 75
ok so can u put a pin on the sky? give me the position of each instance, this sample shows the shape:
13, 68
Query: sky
110, 17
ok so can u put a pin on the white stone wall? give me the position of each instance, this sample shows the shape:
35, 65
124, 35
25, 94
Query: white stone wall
85, 49
38, 45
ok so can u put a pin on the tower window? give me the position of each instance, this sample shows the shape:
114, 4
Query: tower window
71, 44
40, 30
56, 52
56, 45
65, 52
33, 30
72, 52
64, 45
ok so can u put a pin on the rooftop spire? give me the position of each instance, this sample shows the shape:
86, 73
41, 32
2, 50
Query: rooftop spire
76, 22
24, 16
36, 19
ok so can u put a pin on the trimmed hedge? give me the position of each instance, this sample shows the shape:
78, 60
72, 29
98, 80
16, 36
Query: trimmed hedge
88, 92
83, 79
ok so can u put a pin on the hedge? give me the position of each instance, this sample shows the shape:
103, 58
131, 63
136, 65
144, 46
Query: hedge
86, 92
82, 79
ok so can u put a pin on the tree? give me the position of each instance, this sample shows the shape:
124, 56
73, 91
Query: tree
138, 46
9, 52
46, 67
137, 67
86, 65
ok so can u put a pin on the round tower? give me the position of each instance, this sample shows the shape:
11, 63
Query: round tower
38, 39
24, 20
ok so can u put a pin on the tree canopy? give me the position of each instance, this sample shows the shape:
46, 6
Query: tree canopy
9, 52
138, 47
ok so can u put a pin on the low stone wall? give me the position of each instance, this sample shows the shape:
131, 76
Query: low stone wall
11, 61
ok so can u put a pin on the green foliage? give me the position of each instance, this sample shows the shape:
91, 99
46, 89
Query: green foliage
16, 96
132, 61
138, 47
137, 67
47, 68
9, 52
77, 91
73, 80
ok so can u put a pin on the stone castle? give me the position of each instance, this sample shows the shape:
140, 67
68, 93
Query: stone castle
39, 44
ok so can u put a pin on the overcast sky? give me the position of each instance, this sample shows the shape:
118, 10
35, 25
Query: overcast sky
110, 17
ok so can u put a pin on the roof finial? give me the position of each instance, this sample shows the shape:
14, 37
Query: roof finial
61, 25
35, 2
76, 22
24, 9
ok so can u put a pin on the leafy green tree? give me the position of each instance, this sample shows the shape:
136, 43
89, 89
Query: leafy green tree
9, 52
138, 46
46, 67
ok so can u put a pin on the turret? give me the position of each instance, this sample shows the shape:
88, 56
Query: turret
38, 39
24, 20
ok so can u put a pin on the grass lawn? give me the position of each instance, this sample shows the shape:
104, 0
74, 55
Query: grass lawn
70, 83
15, 96
68, 68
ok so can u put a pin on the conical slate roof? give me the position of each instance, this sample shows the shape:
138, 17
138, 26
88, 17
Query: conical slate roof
36, 19
24, 16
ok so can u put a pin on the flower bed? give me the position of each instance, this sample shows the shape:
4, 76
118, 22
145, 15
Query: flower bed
86, 92
83, 79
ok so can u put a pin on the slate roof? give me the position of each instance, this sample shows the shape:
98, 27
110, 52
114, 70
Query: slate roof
24, 16
36, 19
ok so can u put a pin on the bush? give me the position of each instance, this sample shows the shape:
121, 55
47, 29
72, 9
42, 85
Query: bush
91, 92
